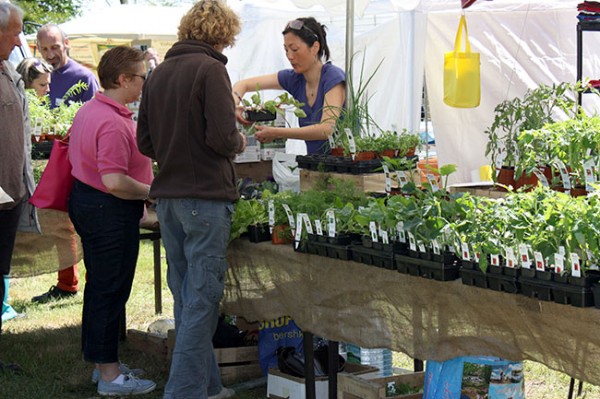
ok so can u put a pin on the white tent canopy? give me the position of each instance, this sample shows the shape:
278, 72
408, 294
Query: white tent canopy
522, 44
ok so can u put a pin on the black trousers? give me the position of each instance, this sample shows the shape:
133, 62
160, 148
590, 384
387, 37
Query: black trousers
9, 221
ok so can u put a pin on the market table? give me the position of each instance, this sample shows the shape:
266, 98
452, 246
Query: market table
350, 302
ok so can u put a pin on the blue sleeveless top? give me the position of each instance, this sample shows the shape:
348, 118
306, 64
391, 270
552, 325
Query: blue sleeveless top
295, 84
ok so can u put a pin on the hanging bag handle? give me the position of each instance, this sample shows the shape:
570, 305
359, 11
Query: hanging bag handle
457, 42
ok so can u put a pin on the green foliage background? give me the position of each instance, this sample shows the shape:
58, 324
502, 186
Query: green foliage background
47, 11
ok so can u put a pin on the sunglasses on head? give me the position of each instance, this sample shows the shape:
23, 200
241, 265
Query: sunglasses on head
297, 24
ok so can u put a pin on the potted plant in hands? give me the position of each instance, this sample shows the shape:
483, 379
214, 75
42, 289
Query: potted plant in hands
257, 110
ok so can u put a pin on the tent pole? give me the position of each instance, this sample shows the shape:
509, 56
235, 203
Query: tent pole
349, 45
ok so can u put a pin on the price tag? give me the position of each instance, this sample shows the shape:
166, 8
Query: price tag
590, 178
431, 179
495, 259
298, 231
384, 237
401, 232
436, 247
511, 260
351, 142
271, 207
575, 265
373, 230
331, 223
402, 178
540, 264
541, 177
388, 182
319, 227
309, 228
412, 243
559, 263
524, 255
564, 175
290, 216
464, 249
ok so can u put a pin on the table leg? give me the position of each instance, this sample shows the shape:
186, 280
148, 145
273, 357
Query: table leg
333, 366
309, 368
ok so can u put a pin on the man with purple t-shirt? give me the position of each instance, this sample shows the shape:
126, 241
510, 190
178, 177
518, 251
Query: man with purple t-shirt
53, 44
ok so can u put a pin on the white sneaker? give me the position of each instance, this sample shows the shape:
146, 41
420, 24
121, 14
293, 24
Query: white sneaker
225, 393
123, 368
130, 386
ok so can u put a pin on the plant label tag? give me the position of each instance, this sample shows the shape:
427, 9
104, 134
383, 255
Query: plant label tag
464, 249
388, 181
476, 256
331, 141
495, 259
511, 260
538, 173
412, 243
384, 237
524, 255
290, 216
318, 227
373, 230
331, 223
559, 263
575, 265
500, 160
402, 178
561, 250
271, 207
298, 233
539, 261
307, 223
37, 128
351, 142
564, 175
422, 247
401, 232
433, 182
590, 178
436, 247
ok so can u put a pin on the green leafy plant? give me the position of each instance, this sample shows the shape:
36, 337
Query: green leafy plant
274, 106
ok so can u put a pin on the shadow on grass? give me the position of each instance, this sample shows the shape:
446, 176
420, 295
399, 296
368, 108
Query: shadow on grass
53, 366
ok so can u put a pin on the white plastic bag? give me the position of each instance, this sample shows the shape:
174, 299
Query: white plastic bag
286, 172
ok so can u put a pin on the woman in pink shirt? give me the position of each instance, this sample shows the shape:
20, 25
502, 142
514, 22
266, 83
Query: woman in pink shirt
112, 182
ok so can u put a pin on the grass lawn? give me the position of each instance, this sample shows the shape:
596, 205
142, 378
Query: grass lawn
46, 344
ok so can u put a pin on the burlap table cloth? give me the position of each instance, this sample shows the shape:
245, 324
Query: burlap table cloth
372, 307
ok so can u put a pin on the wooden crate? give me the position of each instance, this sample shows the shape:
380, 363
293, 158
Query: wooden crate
149, 343
236, 364
367, 182
356, 387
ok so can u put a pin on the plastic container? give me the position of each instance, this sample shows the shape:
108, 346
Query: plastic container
376, 357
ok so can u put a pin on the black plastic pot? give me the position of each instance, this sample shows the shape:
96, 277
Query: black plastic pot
259, 233
259, 116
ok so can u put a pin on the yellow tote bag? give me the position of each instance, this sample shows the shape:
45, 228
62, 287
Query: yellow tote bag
462, 84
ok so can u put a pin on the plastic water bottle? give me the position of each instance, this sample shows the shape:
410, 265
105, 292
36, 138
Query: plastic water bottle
376, 357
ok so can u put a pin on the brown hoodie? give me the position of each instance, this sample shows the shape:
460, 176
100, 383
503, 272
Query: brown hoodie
187, 123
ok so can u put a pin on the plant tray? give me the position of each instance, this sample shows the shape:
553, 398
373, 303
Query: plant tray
534, 288
373, 257
508, 284
333, 251
260, 116
475, 278
428, 268
259, 233
567, 294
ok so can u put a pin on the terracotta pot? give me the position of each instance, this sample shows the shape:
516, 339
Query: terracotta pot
506, 176
411, 152
364, 156
578, 192
388, 153
337, 151
281, 235
532, 180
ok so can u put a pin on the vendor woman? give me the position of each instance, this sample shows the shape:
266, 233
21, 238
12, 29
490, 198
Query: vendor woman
312, 80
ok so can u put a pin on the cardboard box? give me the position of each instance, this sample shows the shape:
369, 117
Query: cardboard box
281, 385
251, 153
358, 387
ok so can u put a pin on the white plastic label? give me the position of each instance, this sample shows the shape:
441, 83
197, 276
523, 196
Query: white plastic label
271, 207
331, 223
495, 260
511, 260
402, 178
388, 182
538, 173
37, 128
373, 230
351, 143
421, 246
564, 175
575, 265
318, 227
384, 237
290, 216
464, 249
431, 179
331, 141
590, 178
298, 231
412, 243
436, 247
539, 261
559, 263
524, 255
401, 232
309, 229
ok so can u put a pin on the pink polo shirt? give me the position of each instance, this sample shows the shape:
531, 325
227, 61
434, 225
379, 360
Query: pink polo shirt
103, 141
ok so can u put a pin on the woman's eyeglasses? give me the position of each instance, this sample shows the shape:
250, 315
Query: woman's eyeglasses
140, 76
297, 24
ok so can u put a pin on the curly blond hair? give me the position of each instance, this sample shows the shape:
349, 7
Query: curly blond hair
211, 22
